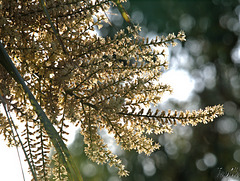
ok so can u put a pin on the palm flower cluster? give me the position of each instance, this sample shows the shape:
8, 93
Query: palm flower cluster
77, 78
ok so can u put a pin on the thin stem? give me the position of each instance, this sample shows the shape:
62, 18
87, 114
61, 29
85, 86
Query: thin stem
13, 127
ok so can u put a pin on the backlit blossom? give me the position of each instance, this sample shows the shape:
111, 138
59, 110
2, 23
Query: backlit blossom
83, 79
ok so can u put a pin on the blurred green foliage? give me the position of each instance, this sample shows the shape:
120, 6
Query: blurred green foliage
212, 58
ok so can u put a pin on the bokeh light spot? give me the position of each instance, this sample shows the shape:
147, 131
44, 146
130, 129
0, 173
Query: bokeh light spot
210, 160
200, 165
149, 167
89, 169
236, 155
137, 17
226, 125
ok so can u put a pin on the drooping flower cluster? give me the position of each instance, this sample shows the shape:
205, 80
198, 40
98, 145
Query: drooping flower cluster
81, 78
